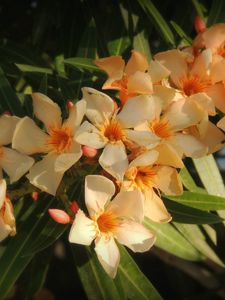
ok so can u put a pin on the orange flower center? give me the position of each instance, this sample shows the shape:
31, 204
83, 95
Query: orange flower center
193, 85
107, 222
161, 128
60, 140
113, 131
142, 177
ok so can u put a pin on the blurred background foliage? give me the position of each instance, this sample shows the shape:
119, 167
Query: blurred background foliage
48, 46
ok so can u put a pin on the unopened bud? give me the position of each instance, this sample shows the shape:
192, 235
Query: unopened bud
35, 196
74, 207
7, 113
69, 104
199, 24
59, 216
89, 151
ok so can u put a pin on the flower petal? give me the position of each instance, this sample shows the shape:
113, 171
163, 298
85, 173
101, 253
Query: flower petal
108, 255
83, 230
136, 111
99, 105
46, 110
15, 164
112, 65
29, 138
140, 83
7, 125
155, 209
202, 63
4, 229
205, 102
135, 236
168, 181
145, 159
66, 160
157, 71
98, 191
89, 135
168, 156
182, 114
114, 160
217, 93
76, 114
221, 123
44, 176
143, 138
137, 62
2, 192
128, 204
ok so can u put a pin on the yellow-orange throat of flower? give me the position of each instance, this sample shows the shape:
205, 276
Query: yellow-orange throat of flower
60, 140
161, 128
193, 84
107, 222
142, 177
113, 131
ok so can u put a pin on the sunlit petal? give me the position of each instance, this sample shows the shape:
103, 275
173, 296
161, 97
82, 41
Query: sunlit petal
7, 125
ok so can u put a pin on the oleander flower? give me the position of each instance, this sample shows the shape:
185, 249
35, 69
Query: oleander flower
118, 219
145, 174
111, 130
12, 162
57, 144
170, 123
221, 123
134, 78
7, 219
195, 77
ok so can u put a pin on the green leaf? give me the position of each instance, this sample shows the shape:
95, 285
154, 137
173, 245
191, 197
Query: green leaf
141, 43
16, 258
185, 214
170, 240
200, 9
158, 21
96, 283
189, 182
195, 236
82, 64
180, 32
33, 69
200, 201
9, 99
119, 45
216, 13
209, 174
135, 283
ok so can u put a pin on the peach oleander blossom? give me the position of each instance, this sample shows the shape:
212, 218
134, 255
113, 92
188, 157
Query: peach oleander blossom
134, 78
111, 131
118, 219
145, 174
12, 162
7, 219
58, 145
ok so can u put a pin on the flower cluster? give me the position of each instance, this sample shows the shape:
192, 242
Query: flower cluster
138, 142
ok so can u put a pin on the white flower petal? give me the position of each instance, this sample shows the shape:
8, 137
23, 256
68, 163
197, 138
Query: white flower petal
29, 138
157, 71
155, 209
135, 236
76, 114
65, 161
114, 160
140, 83
145, 159
99, 105
168, 181
128, 204
136, 111
143, 138
205, 102
46, 110
7, 125
191, 146
83, 230
168, 156
98, 191
108, 255
15, 164
87, 134
221, 123
4, 229
44, 176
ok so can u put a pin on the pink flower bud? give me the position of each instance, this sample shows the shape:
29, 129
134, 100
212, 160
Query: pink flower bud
69, 104
59, 216
74, 207
35, 196
7, 113
199, 24
89, 151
